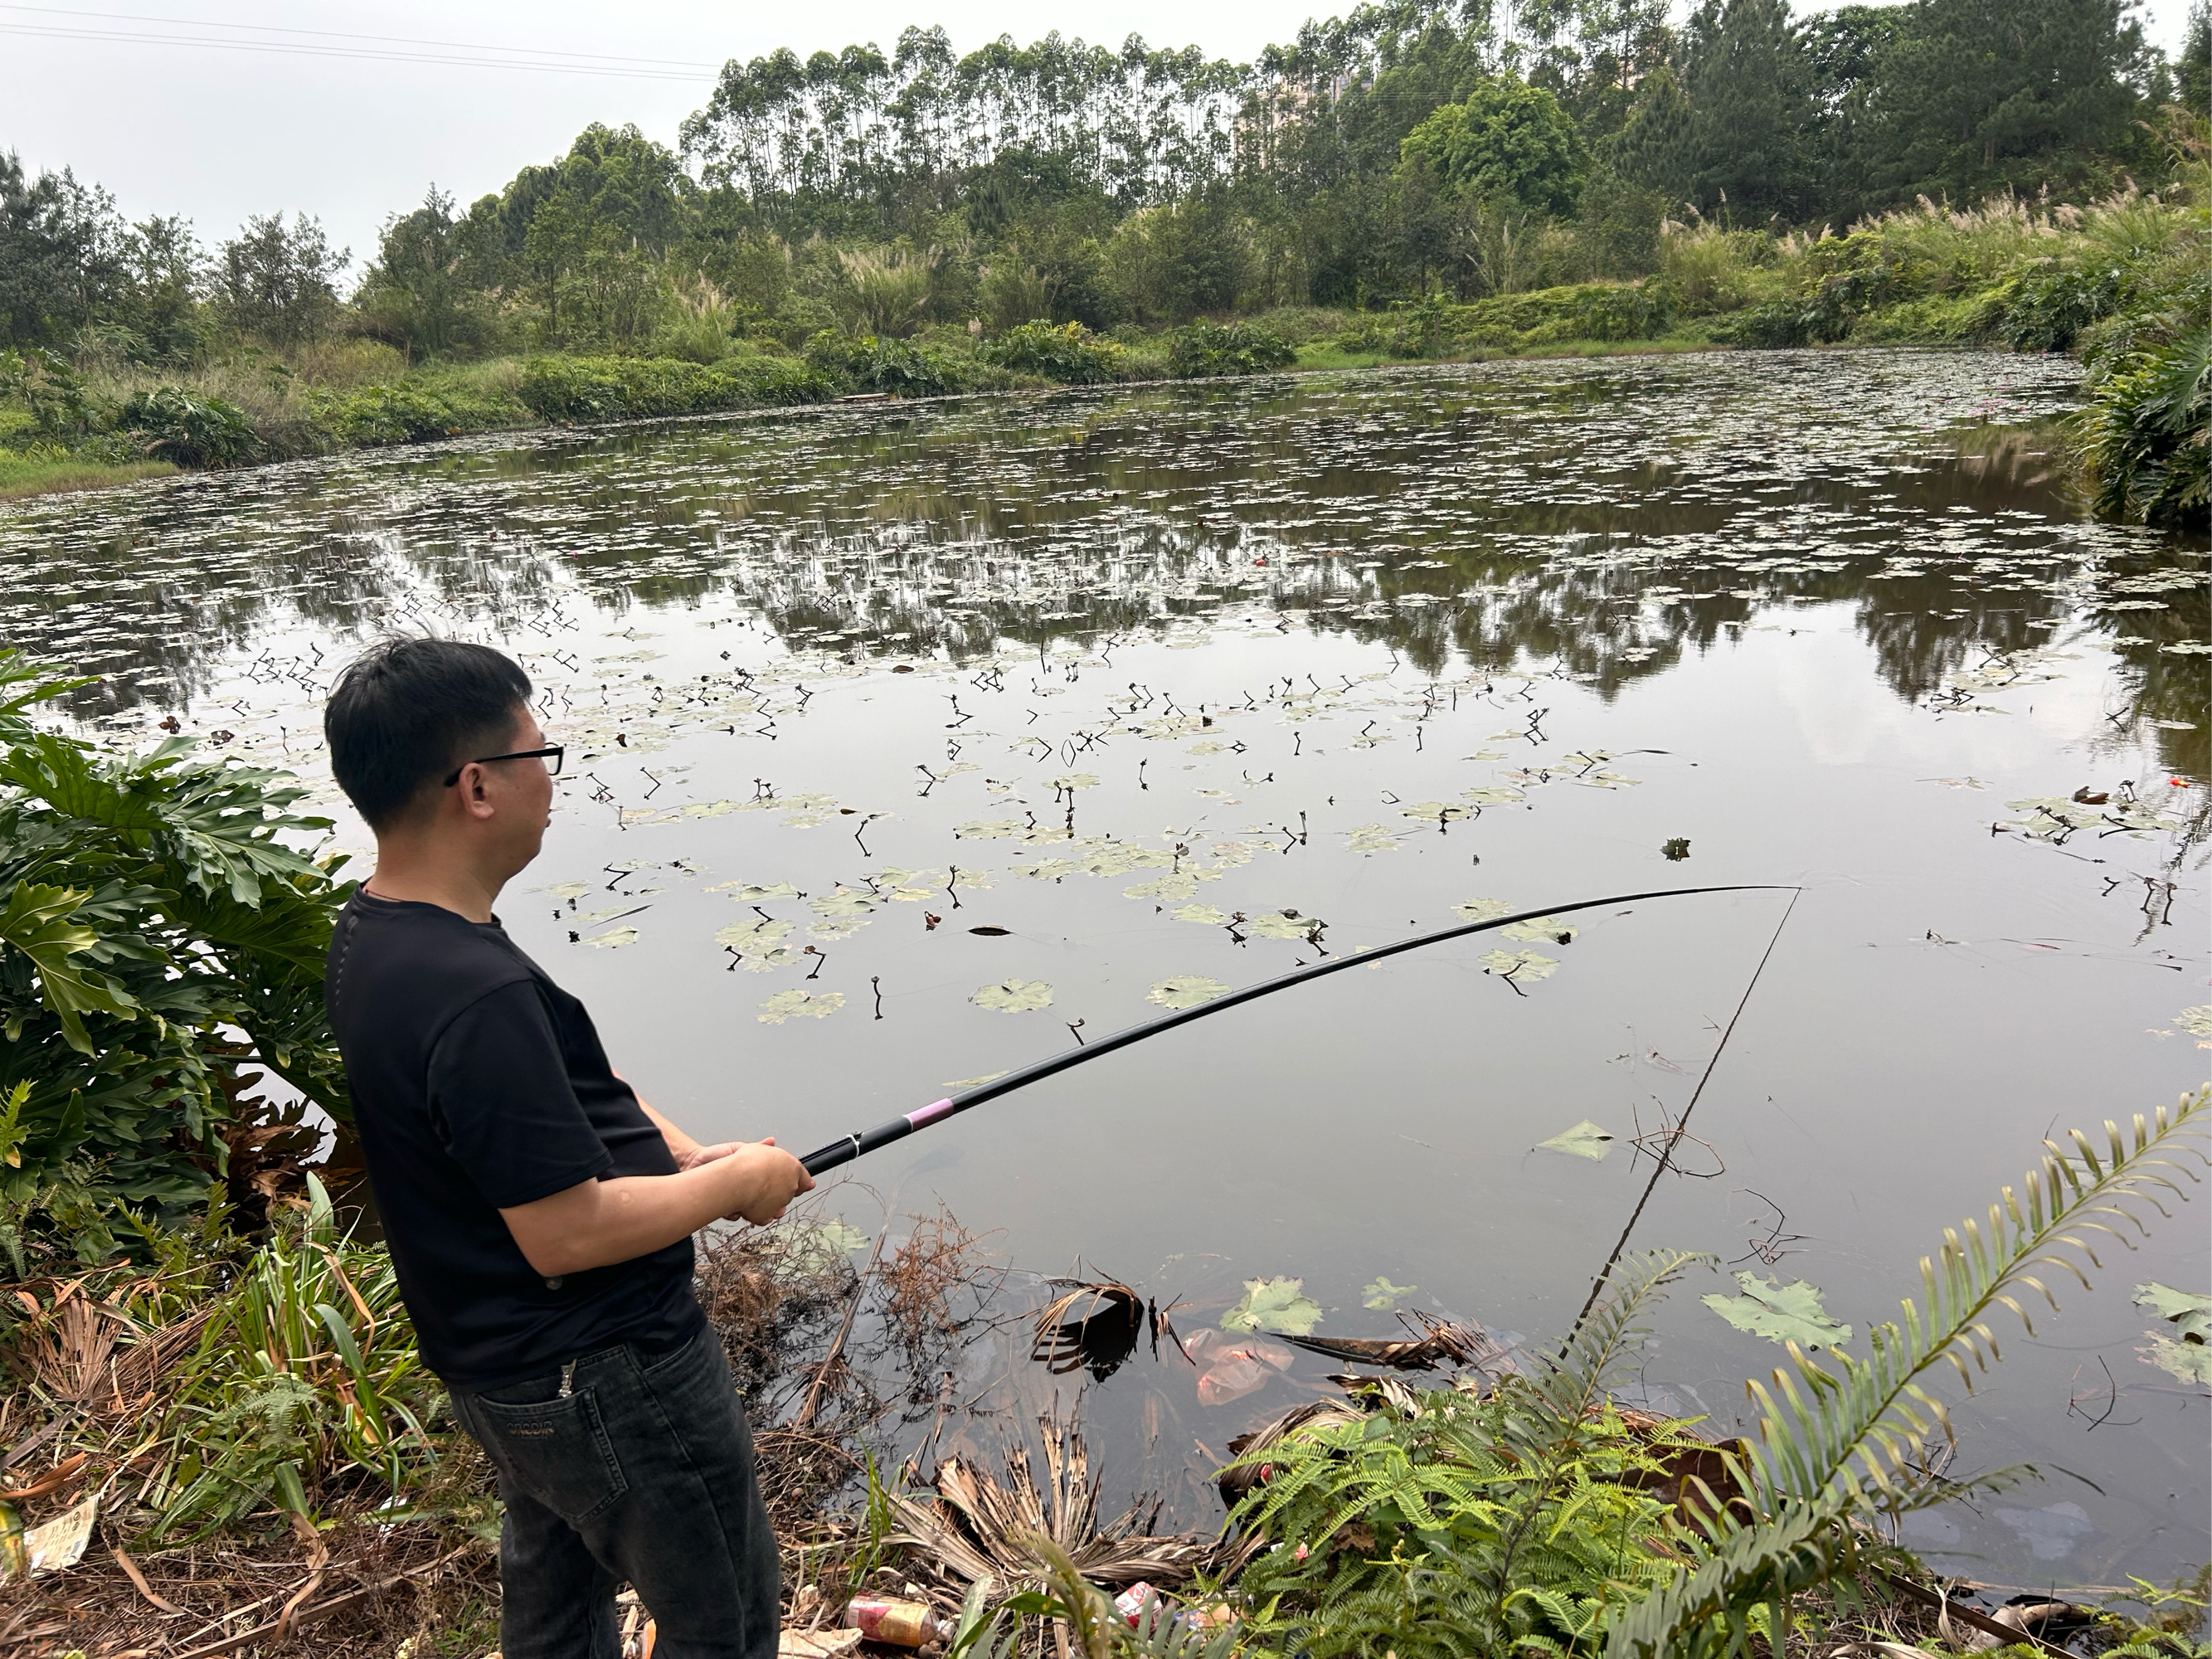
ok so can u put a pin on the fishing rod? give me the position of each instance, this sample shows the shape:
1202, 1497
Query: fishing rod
898, 1128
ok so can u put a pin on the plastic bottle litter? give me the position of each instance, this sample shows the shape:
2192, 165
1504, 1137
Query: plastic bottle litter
902, 1623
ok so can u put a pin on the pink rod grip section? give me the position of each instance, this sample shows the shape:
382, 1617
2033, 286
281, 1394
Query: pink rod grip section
929, 1115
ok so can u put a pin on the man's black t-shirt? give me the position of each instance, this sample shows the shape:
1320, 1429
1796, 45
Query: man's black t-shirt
479, 1084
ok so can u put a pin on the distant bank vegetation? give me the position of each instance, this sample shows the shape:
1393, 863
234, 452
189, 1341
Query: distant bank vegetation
1413, 181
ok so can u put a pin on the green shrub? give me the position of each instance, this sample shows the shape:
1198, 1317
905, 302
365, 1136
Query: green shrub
305, 1381
1203, 349
562, 388
1071, 354
376, 415
871, 363
2145, 440
172, 425
1626, 311
148, 915
2047, 307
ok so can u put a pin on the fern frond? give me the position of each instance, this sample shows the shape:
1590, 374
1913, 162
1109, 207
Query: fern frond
1843, 1437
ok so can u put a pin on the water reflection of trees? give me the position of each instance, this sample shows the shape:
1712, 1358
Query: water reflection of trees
1532, 519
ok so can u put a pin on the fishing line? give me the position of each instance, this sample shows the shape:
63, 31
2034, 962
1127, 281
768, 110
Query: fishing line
1681, 1126
847, 1148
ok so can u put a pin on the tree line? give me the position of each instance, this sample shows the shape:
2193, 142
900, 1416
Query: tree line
1406, 149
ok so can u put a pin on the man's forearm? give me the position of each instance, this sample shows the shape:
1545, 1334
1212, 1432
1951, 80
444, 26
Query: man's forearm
597, 1222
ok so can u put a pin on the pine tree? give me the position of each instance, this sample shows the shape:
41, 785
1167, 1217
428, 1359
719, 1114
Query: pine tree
1746, 78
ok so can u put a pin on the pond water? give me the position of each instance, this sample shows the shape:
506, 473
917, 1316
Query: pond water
879, 718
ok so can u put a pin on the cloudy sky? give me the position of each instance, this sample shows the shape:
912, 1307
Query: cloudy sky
356, 117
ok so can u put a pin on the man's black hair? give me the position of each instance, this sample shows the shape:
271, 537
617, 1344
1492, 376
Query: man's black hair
408, 711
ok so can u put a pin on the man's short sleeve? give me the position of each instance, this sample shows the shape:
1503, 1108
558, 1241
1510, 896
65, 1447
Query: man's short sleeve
500, 1094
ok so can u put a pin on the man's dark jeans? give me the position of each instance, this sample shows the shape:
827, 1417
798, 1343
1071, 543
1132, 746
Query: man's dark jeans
629, 1465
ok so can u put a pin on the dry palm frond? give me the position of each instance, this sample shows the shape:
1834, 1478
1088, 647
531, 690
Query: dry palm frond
1442, 1340
70, 1356
978, 1527
1239, 1478
1094, 1325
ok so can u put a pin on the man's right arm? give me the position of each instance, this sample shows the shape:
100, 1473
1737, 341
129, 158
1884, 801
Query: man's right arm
595, 1224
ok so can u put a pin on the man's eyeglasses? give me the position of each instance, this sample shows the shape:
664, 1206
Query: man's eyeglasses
551, 756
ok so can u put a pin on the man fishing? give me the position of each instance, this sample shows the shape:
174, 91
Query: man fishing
539, 1214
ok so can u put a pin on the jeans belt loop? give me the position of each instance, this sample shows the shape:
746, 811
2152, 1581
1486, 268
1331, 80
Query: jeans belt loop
568, 1379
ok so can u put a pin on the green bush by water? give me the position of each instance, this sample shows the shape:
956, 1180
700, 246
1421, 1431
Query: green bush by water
148, 913
1203, 349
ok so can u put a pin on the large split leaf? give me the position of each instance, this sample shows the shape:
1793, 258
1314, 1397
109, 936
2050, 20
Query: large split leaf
1780, 1313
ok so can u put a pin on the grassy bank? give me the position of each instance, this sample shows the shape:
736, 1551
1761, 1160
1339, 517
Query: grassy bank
2124, 283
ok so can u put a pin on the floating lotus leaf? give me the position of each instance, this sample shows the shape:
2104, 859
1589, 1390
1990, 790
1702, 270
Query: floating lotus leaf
796, 1003
1049, 869
1780, 1313
844, 901
1121, 858
570, 890
1280, 924
1497, 797
1483, 910
1541, 930
1185, 991
1522, 967
989, 828
1182, 884
1371, 838
1075, 780
812, 1247
1209, 915
1274, 1304
1436, 811
1014, 996
2198, 1022
745, 892
619, 936
2190, 1362
1382, 1295
2190, 1312
1585, 1139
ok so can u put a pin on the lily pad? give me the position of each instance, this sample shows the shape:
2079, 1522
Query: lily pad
1522, 967
1075, 780
1281, 924
568, 889
2188, 1312
2187, 1362
1496, 797
1180, 886
1541, 929
1585, 1139
618, 938
2198, 1022
796, 1003
1210, 915
1382, 1295
814, 1246
1482, 909
747, 892
1780, 1313
1186, 991
1015, 996
1274, 1304
1371, 838
989, 828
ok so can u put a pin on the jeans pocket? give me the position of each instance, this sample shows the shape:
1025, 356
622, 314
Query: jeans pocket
557, 1451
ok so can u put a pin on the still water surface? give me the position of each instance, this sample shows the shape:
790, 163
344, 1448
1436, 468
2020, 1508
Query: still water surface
1193, 682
